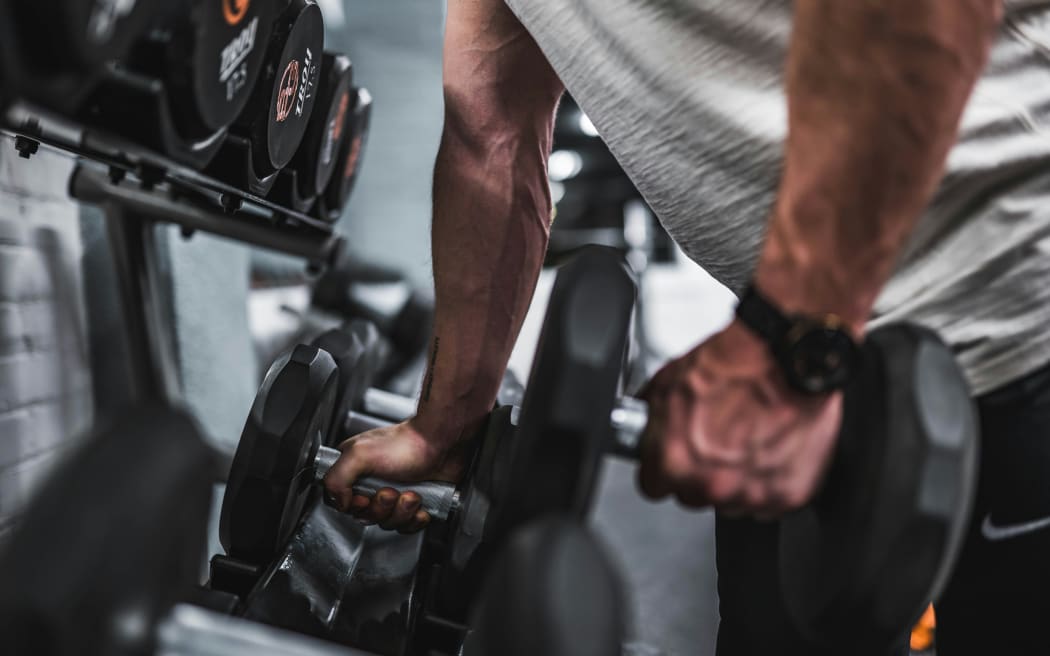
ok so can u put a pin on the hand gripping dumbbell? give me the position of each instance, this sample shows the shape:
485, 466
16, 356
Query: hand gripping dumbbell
894, 501
107, 555
861, 561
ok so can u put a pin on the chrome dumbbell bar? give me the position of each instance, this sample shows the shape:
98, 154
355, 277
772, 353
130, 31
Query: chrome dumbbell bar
439, 499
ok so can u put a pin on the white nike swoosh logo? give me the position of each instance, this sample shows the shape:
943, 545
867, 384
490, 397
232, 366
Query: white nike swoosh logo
994, 533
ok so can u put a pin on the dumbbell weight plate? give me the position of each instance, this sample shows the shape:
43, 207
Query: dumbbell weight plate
357, 350
279, 110
575, 380
80, 34
551, 591
348, 162
271, 474
860, 563
214, 74
318, 154
113, 539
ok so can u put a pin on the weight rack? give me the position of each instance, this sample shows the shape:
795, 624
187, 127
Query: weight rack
136, 189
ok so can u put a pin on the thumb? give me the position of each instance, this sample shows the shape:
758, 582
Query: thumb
352, 465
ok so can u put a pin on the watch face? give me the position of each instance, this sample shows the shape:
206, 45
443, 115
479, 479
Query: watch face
820, 359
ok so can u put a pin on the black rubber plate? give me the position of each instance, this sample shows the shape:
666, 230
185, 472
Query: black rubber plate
564, 428
87, 33
861, 562
295, 83
230, 47
114, 538
319, 152
349, 159
270, 476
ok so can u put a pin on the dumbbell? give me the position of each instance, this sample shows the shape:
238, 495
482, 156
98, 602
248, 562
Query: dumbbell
265, 136
552, 591
382, 295
310, 170
112, 540
209, 54
77, 33
359, 352
55, 52
331, 202
273, 472
863, 559
107, 553
894, 501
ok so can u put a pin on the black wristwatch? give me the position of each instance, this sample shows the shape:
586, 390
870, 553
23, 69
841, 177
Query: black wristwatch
816, 354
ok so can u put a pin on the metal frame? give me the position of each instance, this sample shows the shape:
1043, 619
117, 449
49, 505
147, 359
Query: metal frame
132, 212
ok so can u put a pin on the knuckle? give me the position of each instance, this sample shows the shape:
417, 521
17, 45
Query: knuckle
793, 499
720, 488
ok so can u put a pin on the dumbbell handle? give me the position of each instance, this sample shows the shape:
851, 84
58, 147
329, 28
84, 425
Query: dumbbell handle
628, 419
438, 498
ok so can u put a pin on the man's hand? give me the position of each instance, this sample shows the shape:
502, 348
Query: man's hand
726, 430
398, 453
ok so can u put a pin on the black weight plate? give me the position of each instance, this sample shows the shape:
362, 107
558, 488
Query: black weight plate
269, 481
111, 541
357, 350
82, 34
229, 49
290, 85
349, 160
318, 154
862, 561
564, 427
552, 591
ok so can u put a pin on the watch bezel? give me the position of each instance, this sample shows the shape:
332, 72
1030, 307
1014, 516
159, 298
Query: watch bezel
799, 336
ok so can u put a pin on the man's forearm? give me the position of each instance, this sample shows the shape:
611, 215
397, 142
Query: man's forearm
492, 213
492, 210
876, 90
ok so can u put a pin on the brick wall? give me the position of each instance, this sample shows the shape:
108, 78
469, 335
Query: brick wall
45, 385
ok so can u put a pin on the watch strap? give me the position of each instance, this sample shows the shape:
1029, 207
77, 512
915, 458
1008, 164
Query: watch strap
761, 316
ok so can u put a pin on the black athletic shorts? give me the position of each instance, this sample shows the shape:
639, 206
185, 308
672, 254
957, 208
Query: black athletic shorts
998, 599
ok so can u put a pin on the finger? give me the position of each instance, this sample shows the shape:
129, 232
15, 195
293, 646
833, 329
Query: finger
351, 465
419, 522
382, 505
404, 512
659, 382
651, 478
359, 504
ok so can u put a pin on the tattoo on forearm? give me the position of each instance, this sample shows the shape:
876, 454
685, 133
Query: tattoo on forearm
429, 382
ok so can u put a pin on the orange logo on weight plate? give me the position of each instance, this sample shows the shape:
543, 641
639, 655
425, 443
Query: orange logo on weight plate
234, 10
286, 94
340, 116
351, 158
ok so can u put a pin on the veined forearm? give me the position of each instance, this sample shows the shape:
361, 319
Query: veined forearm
492, 213
876, 90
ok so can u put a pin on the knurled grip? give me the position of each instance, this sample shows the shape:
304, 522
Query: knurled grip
438, 498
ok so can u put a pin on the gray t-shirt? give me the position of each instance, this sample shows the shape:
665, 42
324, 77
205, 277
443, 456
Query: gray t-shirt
688, 94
